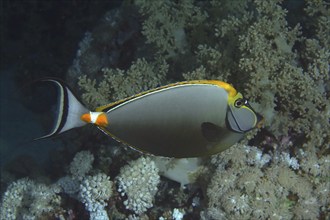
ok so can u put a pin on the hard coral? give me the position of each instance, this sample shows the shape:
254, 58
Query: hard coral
81, 164
12, 199
274, 189
282, 66
26, 199
138, 181
94, 191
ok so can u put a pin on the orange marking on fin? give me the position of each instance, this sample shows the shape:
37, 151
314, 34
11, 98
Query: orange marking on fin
86, 117
102, 120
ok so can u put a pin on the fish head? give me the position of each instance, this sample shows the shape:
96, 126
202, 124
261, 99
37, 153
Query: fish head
241, 117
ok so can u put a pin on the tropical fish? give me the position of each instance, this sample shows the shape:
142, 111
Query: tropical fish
180, 120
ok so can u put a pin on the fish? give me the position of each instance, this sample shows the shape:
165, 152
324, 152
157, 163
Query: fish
181, 120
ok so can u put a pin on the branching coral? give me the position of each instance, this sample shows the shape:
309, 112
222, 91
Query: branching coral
94, 190
248, 188
118, 84
26, 199
12, 199
81, 164
273, 65
167, 22
138, 181
79, 167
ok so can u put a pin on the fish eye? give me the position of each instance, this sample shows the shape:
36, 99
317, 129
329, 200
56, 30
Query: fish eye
239, 103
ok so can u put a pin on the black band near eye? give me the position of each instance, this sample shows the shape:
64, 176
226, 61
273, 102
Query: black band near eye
239, 103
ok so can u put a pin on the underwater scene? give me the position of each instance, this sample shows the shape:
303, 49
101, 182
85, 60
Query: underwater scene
165, 109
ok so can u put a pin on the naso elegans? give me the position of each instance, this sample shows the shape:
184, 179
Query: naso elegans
181, 120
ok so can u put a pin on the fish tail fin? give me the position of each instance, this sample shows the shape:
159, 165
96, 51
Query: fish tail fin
69, 110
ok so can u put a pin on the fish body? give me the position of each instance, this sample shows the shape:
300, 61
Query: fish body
181, 120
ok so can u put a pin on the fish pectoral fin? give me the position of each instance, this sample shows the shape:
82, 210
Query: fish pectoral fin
212, 132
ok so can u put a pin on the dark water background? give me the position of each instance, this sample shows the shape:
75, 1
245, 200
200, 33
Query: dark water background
38, 39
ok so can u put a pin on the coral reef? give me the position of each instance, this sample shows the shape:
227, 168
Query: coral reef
250, 184
94, 190
118, 84
176, 17
81, 164
256, 50
26, 199
275, 52
138, 182
272, 60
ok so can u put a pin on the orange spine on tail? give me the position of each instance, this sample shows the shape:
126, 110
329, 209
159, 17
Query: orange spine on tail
97, 118
86, 118
102, 120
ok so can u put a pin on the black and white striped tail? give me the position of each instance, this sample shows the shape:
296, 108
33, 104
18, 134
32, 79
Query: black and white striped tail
69, 110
